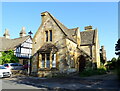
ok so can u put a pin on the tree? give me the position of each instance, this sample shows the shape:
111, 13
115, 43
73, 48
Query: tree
8, 57
113, 59
117, 48
118, 67
112, 64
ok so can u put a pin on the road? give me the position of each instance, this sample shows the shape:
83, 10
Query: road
8, 84
99, 83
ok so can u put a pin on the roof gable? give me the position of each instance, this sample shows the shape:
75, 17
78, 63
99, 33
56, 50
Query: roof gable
68, 32
10, 44
87, 37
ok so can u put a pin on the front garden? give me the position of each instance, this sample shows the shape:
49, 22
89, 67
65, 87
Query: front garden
91, 72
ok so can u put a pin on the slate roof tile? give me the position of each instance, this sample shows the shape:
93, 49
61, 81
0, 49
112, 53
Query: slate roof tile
87, 37
10, 44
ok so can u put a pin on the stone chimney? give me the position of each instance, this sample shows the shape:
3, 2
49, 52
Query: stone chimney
102, 47
103, 53
88, 27
44, 13
23, 32
6, 34
44, 16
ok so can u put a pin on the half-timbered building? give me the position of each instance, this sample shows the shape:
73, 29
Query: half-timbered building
21, 46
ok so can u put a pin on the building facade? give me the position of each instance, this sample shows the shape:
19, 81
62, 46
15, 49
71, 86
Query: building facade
21, 46
57, 49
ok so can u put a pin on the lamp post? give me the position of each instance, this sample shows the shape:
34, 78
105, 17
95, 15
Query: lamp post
29, 55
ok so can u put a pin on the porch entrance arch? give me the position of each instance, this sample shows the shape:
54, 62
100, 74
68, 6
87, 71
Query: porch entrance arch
81, 63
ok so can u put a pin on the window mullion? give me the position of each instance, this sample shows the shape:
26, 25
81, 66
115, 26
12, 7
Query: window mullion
45, 61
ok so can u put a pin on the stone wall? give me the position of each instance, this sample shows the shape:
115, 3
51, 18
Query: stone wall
58, 39
87, 49
97, 51
71, 54
34, 68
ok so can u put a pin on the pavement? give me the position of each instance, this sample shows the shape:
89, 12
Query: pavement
107, 82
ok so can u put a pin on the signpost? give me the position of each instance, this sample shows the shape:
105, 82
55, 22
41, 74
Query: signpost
29, 55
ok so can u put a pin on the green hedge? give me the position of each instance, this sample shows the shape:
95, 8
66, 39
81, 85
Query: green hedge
118, 68
0, 61
90, 72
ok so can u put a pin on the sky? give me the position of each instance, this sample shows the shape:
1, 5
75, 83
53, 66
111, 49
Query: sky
101, 15
119, 20
60, 0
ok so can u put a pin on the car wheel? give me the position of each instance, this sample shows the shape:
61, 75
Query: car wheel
10, 75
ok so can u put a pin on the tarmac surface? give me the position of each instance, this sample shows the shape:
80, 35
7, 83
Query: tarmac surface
107, 82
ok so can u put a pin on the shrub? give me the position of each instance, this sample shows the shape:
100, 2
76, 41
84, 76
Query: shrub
8, 57
90, 72
118, 68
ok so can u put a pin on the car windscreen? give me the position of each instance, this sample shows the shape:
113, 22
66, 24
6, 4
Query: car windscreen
14, 64
2, 67
20, 64
5, 65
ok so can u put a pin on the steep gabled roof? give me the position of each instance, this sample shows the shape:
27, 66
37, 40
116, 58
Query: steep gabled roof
68, 32
47, 48
87, 37
11, 44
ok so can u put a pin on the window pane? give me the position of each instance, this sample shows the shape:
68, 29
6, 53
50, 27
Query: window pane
43, 60
52, 57
50, 35
72, 63
46, 36
48, 60
54, 60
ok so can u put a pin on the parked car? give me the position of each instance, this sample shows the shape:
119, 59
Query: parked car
25, 66
13, 66
4, 72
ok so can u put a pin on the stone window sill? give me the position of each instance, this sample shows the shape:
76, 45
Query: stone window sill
47, 69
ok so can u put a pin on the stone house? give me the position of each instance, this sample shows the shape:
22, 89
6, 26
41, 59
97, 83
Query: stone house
57, 49
21, 46
90, 44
